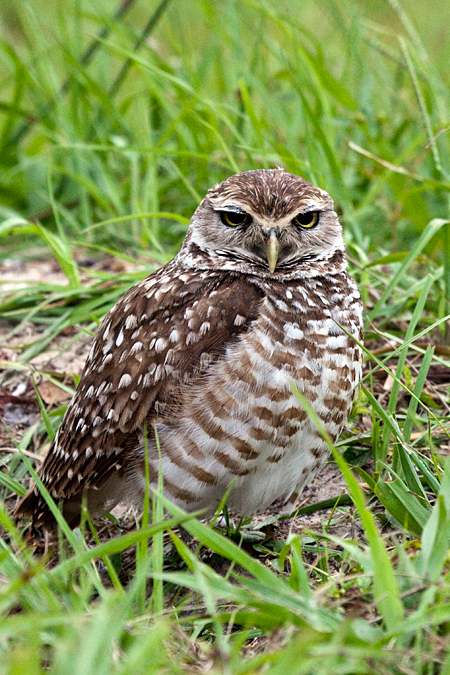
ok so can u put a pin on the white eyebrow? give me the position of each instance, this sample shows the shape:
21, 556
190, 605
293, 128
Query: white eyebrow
226, 207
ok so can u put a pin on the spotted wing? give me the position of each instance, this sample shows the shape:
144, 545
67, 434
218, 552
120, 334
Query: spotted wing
153, 342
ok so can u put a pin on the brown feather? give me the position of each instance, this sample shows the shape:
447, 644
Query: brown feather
69, 456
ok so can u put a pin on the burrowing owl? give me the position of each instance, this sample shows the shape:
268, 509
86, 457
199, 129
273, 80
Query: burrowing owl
205, 351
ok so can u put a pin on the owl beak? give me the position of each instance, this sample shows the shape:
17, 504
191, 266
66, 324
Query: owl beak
273, 250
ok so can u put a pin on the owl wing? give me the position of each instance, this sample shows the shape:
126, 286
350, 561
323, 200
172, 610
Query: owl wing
154, 341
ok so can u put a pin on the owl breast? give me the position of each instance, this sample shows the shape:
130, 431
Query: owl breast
242, 424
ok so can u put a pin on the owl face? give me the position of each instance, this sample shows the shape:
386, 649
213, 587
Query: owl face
268, 221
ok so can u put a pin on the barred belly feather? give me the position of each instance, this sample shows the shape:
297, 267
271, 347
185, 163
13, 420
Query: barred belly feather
243, 421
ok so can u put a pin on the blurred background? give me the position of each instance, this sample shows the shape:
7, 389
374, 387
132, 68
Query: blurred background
114, 113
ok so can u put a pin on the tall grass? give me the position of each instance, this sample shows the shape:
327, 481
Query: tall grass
114, 120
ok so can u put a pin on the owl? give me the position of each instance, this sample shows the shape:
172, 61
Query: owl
191, 373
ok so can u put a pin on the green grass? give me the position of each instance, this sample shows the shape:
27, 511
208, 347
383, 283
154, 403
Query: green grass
114, 121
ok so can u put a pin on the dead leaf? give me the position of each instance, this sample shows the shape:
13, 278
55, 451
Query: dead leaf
387, 386
51, 394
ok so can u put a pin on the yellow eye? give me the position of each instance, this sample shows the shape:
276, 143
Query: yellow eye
307, 220
232, 218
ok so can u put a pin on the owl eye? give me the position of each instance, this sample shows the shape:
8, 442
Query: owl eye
232, 219
306, 220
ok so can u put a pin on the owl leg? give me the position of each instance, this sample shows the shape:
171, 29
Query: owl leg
291, 504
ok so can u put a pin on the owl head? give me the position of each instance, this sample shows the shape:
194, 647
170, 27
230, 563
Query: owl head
265, 222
